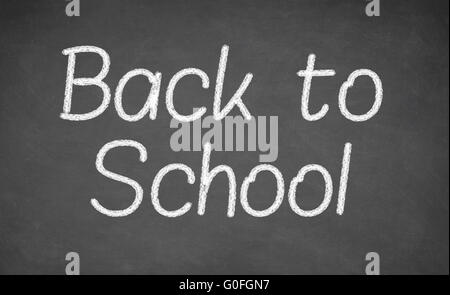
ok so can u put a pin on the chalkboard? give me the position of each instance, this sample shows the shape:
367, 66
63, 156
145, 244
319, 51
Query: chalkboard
397, 192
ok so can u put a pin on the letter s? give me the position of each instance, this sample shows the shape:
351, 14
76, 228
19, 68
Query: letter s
114, 176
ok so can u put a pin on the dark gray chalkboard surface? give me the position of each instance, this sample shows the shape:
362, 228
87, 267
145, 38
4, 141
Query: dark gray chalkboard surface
397, 201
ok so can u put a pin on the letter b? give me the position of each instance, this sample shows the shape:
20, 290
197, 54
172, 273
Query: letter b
96, 81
